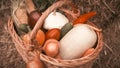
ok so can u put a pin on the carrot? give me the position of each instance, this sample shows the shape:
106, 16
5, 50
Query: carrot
83, 18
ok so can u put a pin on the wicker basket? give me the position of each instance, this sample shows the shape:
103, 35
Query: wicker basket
84, 62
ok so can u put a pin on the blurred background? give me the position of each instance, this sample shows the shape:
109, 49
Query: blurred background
107, 18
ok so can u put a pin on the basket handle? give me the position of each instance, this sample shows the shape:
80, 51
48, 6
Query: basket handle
45, 14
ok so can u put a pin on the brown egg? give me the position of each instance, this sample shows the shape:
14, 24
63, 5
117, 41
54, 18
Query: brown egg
53, 34
51, 47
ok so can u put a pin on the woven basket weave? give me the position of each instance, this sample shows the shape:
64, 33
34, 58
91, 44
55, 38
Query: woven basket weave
84, 62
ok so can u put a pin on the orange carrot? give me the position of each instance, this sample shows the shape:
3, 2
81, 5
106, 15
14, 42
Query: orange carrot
83, 18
